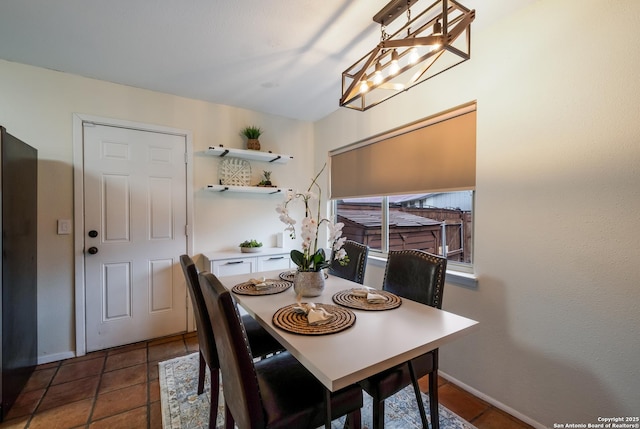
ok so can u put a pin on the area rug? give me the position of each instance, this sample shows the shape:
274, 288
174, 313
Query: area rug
183, 408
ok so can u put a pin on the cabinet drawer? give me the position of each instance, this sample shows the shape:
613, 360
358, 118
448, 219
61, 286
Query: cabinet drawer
232, 267
274, 262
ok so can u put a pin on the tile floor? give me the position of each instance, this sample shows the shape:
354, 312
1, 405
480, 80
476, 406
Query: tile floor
118, 388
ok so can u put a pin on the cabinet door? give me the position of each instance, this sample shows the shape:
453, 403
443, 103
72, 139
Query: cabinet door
274, 262
232, 267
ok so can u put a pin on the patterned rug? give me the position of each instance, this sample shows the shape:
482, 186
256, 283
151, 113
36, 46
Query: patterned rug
182, 408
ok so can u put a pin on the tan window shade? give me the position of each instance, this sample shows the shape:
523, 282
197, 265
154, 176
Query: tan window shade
430, 156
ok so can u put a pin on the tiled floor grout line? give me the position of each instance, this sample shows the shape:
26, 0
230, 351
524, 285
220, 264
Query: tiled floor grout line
46, 389
95, 395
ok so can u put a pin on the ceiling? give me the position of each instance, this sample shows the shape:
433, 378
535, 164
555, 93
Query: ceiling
283, 57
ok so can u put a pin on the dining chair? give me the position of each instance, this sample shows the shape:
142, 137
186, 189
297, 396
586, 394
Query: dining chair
355, 268
262, 343
278, 392
418, 276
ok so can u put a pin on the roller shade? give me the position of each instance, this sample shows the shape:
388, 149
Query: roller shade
434, 155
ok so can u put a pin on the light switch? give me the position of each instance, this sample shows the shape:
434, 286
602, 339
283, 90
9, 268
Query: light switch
64, 226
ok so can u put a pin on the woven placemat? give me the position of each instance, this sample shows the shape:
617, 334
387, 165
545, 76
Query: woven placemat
248, 288
288, 275
347, 299
288, 319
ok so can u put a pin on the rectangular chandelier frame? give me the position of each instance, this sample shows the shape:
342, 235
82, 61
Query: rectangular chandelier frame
436, 39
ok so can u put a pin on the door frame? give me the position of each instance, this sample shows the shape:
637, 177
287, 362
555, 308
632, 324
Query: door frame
78, 209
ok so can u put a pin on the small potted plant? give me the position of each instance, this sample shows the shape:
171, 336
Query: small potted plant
250, 246
252, 133
266, 179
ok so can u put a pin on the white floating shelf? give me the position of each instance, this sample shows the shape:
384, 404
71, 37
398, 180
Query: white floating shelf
246, 189
253, 155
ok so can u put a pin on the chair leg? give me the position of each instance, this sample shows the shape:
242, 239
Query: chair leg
353, 420
201, 374
229, 423
416, 388
433, 399
215, 397
378, 413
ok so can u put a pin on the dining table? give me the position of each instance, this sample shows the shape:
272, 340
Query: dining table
374, 340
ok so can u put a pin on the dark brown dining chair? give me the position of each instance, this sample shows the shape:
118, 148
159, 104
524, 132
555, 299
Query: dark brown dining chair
355, 268
418, 276
261, 342
273, 393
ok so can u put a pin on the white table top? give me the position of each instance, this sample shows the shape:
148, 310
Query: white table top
378, 340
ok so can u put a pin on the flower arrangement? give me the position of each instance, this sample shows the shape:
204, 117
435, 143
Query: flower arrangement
312, 258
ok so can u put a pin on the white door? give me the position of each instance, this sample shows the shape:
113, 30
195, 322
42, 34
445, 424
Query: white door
135, 230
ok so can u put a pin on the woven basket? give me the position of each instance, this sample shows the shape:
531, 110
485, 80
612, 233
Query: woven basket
253, 144
234, 171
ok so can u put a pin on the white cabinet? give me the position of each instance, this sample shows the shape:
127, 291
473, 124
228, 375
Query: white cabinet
232, 267
274, 262
232, 263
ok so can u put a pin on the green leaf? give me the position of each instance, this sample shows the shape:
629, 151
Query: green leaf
322, 266
319, 260
252, 132
298, 258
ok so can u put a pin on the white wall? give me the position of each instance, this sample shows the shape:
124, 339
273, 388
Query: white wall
558, 197
36, 105
557, 233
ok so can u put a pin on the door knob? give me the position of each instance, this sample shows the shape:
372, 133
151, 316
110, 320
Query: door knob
93, 250
93, 233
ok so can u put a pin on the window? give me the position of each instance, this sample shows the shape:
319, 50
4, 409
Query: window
412, 187
440, 223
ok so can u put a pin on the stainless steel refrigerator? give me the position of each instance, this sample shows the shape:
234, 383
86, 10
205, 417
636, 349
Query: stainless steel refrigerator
18, 356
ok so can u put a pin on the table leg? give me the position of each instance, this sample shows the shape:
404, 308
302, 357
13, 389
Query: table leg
327, 403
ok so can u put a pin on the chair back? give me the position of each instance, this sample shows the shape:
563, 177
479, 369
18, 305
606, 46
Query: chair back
241, 390
205, 333
355, 268
416, 275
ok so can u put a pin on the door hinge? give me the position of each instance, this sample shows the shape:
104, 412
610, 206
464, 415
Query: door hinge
186, 230
186, 158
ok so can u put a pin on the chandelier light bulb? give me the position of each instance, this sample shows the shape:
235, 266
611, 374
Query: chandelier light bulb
364, 87
377, 76
413, 55
394, 67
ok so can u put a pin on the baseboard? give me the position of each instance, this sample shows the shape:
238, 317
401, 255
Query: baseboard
492, 401
55, 357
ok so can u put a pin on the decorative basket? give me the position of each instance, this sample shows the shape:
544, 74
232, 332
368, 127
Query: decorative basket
235, 172
253, 144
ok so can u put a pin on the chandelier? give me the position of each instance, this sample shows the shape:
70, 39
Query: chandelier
433, 40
